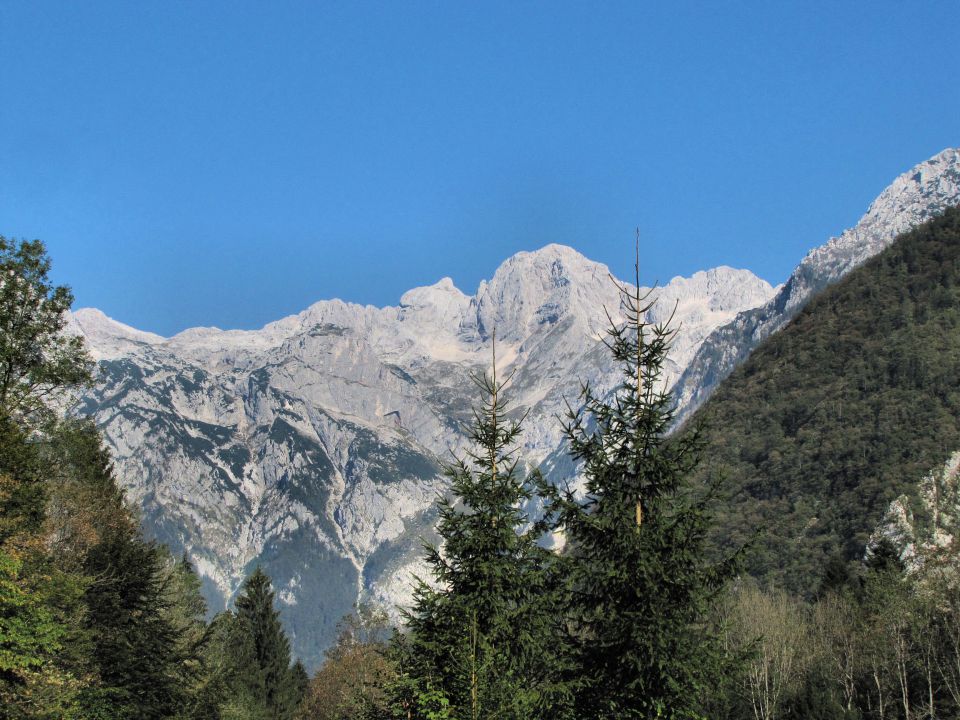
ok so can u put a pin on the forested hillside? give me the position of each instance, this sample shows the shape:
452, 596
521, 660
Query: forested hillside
842, 411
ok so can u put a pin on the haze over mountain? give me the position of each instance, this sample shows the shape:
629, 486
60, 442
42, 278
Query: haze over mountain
314, 445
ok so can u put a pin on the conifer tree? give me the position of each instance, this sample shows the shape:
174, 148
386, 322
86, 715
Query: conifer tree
479, 642
283, 685
133, 642
232, 685
185, 610
640, 581
135, 645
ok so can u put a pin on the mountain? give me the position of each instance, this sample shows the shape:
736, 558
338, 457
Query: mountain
914, 197
315, 445
843, 413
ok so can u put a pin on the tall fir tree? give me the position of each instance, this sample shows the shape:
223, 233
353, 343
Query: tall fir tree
480, 634
639, 578
232, 685
135, 642
283, 684
136, 647
185, 610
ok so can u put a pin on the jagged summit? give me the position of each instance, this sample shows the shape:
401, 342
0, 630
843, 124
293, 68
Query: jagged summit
534, 288
552, 265
529, 290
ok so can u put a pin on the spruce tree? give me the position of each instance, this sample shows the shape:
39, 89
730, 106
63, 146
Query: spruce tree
639, 578
233, 685
135, 642
186, 610
282, 683
479, 641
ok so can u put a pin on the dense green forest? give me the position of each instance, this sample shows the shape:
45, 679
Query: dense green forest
842, 411
726, 571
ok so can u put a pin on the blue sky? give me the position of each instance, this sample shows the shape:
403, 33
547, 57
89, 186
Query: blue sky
227, 164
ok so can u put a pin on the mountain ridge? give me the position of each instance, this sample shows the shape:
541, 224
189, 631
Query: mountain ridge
317, 441
914, 196
500, 290
313, 446
843, 411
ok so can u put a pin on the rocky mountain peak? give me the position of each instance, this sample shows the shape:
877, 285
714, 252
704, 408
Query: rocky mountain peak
441, 303
532, 289
722, 288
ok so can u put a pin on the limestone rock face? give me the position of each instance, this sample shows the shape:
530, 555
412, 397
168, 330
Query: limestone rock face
933, 530
315, 445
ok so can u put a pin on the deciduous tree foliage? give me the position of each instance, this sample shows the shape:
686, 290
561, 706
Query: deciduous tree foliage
38, 362
40, 674
353, 680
